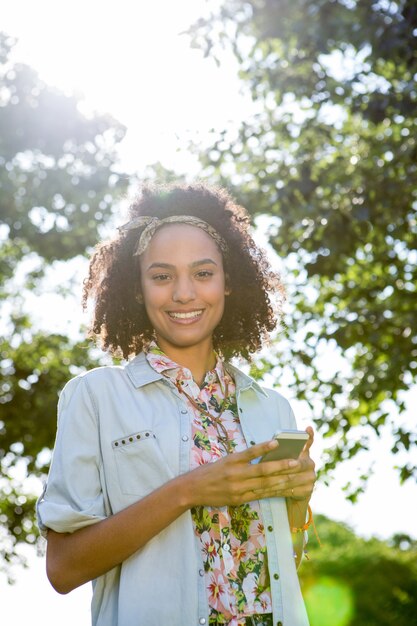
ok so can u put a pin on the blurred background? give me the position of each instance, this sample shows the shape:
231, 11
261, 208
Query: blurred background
306, 111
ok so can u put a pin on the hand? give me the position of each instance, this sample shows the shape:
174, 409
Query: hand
234, 480
298, 492
299, 484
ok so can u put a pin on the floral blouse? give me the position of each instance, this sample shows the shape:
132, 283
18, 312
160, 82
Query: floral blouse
231, 538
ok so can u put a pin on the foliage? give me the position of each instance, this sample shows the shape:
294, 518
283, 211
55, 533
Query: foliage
353, 581
58, 181
331, 153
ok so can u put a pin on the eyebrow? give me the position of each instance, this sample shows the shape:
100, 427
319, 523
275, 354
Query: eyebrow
168, 266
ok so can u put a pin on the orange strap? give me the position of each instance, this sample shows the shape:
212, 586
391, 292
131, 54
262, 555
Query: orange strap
304, 527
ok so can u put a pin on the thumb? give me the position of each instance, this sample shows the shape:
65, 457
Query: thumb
310, 440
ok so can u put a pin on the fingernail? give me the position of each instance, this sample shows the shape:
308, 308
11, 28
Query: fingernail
292, 463
273, 443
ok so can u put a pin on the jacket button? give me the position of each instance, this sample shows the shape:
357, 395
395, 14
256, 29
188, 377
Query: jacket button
280, 624
184, 438
270, 528
202, 620
184, 411
201, 572
276, 576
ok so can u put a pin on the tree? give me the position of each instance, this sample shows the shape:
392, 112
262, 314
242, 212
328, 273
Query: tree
58, 182
352, 581
331, 154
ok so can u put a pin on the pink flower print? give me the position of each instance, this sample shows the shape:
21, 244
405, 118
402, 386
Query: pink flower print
209, 546
249, 588
200, 457
264, 601
216, 452
210, 388
184, 375
224, 519
239, 552
156, 362
256, 544
218, 599
215, 589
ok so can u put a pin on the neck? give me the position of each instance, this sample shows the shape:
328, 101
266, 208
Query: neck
198, 359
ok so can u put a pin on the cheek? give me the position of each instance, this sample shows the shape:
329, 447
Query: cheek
152, 296
218, 291
216, 296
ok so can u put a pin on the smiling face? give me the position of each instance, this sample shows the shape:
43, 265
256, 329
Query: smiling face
183, 287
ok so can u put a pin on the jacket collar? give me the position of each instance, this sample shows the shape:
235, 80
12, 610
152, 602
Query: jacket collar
243, 381
141, 374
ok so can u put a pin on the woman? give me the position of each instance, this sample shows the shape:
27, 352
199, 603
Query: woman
154, 492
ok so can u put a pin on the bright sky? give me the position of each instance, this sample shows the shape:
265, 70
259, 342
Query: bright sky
127, 58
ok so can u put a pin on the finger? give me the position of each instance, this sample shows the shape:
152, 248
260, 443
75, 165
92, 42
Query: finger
309, 441
303, 483
310, 432
286, 486
256, 451
302, 489
307, 468
260, 488
304, 463
276, 468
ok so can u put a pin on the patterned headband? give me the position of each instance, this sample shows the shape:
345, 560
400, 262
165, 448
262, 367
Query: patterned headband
152, 224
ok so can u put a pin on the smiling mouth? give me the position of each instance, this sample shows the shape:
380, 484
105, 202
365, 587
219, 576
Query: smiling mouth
190, 315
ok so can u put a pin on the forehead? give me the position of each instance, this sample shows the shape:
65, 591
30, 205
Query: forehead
180, 242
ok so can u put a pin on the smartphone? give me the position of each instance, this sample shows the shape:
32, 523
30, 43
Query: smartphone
291, 442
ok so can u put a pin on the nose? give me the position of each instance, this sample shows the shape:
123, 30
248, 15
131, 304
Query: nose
183, 290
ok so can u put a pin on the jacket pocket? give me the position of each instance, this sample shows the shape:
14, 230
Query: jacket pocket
140, 464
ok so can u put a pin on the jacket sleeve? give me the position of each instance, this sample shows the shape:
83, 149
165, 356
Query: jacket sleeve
73, 496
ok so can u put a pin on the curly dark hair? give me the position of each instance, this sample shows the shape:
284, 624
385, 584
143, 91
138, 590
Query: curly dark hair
114, 282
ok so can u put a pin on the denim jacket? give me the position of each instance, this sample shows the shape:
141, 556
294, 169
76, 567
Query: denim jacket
123, 431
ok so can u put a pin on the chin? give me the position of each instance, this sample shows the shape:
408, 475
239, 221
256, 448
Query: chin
184, 340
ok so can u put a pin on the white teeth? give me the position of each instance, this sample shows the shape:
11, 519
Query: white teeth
185, 316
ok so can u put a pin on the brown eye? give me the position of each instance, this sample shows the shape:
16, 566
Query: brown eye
160, 277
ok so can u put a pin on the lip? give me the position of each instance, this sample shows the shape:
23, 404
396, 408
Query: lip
185, 320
